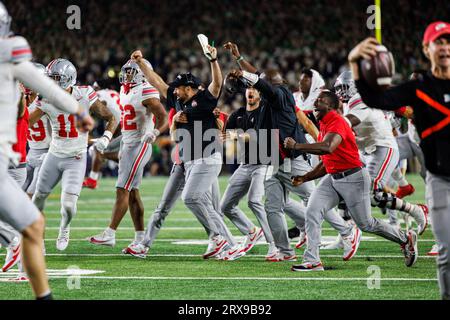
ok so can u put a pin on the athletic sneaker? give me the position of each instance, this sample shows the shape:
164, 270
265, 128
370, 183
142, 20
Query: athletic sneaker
103, 239
138, 250
293, 232
305, 267
422, 224
302, 240
336, 244
410, 250
351, 244
90, 183
215, 246
125, 250
282, 257
273, 250
405, 191
231, 254
434, 250
251, 239
12, 256
63, 239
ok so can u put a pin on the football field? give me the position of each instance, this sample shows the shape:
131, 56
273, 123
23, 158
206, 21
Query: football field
174, 268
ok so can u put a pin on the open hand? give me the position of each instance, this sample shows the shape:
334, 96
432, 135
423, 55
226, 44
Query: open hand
366, 49
233, 48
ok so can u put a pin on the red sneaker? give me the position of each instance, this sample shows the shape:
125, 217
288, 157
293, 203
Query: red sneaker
405, 191
90, 183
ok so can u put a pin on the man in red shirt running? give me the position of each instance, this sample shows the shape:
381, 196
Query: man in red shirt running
344, 178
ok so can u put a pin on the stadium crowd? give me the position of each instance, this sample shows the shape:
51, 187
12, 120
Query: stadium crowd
288, 35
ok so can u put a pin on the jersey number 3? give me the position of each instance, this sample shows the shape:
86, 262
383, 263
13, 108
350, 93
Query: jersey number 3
128, 115
73, 133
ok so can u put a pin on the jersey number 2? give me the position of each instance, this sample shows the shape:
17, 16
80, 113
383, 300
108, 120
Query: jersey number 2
73, 133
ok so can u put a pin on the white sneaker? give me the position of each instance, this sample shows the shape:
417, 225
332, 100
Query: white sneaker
125, 250
12, 256
337, 244
251, 239
137, 250
232, 254
351, 244
215, 246
434, 250
273, 251
301, 242
63, 239
103, 239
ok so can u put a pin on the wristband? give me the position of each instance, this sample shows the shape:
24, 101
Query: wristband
239, 59
108, 134
156, 132
213, 60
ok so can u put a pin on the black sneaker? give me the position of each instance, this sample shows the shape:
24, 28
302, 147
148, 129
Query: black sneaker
410, 249
293, 232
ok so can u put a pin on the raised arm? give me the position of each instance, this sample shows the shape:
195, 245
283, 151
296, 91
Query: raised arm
391, 99
243, 64
216, 74
152, 77
307, 124
99, 109
260, 84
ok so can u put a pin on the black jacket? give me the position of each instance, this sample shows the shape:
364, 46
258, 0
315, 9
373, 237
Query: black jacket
430, 99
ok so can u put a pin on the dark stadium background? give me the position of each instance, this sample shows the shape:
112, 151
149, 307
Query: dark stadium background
289, 35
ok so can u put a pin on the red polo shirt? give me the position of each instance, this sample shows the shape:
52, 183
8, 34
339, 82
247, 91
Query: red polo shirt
346, 155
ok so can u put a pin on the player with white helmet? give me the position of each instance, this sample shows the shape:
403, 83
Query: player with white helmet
111, 99
16, 209
378, 147
143, 119
66, 158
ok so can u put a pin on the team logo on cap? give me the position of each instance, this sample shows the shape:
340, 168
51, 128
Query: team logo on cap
440, 26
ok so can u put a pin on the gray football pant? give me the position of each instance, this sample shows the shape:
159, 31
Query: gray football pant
16, 209
248, 178
438, 200
355, 190
172, 191
277, 187
409, 149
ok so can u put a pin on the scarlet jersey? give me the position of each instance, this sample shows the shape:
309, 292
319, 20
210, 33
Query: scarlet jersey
12, 51
67, 141
375, 128
39, 135
136, 120
112, 101
22, 130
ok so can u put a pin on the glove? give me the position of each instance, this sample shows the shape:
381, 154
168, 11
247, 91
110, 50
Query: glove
102, 143
150, 136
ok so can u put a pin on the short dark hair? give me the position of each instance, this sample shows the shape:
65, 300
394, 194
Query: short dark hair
307, 71
334, 99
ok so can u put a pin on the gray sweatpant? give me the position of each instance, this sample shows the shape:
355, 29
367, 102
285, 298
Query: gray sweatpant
172, 191
277, 187
438, 200
355, 190
16, 208
248, 178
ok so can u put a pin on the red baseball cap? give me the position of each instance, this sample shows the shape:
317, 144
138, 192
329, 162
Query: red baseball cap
435, 30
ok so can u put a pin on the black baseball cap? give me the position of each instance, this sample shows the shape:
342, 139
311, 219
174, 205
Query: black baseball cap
186, 79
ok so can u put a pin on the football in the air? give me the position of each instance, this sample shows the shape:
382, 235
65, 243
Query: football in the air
379, 70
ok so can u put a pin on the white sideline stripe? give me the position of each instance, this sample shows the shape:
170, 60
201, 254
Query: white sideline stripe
249, 278
200, 256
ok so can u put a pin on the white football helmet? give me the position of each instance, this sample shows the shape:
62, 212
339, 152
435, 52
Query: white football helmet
131, 73
345, 87
63, 72
5, 21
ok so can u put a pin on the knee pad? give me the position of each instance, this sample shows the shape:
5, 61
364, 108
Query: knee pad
39, 199
69, 204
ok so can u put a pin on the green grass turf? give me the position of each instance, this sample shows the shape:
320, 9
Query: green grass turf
183, 274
